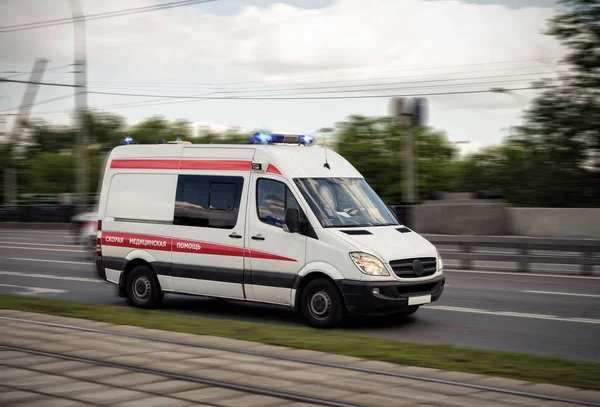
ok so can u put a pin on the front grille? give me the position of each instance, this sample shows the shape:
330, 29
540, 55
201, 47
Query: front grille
404, 268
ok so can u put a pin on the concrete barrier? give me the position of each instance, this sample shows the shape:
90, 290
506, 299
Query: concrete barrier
554, 222
461, 217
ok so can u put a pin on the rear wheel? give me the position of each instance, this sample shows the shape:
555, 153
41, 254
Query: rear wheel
321, 304
143, 288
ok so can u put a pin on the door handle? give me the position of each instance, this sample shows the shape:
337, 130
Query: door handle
235, 236
258, 237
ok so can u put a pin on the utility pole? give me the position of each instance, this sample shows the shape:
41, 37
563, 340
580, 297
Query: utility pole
79, 47
409, 112
16, 138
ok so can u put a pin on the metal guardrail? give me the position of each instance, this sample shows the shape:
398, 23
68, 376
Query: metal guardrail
581, 252
37, 213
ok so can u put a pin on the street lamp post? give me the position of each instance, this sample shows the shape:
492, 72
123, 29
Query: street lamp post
79, 48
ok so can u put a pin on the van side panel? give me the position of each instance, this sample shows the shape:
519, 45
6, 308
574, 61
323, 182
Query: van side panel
138, 217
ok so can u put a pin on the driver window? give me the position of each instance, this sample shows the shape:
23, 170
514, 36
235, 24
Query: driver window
273, 199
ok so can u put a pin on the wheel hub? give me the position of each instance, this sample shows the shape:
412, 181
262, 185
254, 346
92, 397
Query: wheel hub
320, 305
141, 288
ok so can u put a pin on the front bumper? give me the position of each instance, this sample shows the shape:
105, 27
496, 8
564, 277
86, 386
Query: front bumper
393, 295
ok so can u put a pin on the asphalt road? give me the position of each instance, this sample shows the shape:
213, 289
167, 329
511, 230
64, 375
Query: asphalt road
535, 313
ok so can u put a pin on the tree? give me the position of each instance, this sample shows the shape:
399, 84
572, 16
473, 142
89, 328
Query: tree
561, 131
375, 147
50, 173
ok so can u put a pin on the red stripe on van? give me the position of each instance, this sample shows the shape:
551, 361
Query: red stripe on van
267, 256
136, 241
223, 165
273, 170
218, 165
192, 246
146, 164
182, 246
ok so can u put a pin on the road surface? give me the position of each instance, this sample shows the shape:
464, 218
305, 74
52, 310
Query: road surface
535, 313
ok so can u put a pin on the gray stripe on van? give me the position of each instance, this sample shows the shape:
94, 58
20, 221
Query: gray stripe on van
225, 275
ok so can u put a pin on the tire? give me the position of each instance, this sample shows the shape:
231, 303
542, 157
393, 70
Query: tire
143, 288
321, 304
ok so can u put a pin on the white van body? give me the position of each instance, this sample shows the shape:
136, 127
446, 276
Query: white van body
210, 220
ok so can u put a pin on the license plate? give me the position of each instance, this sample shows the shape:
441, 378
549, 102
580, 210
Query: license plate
422, 299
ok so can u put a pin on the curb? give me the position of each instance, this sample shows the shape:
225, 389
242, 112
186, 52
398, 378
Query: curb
247, 349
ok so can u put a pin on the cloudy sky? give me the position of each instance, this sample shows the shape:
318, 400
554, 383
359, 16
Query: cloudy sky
291, 65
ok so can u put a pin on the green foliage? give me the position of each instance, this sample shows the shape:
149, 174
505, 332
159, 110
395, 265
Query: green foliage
49, 162
50, 173
375, 146
561, 132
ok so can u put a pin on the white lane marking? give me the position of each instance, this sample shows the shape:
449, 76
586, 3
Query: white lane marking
51, 277
50, 261
513, 314
41, 249
34, 290
516, 273
42, 244
554, 293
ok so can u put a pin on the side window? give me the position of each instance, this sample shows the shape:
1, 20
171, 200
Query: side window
273, 199
208, 201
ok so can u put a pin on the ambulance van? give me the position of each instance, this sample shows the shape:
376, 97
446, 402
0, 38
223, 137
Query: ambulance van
277, 221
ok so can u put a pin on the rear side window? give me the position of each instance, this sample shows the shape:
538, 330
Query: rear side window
208, 201
141, 197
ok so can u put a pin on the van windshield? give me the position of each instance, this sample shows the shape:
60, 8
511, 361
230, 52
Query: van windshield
345, 202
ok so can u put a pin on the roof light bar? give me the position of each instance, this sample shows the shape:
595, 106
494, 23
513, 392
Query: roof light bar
279, 138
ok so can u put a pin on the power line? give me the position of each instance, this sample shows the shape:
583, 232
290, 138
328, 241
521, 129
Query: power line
387, 84
265, 83
97, 16
16, 73
372, 96
293, 94
68, 85
369, 86
204, 99
41, 102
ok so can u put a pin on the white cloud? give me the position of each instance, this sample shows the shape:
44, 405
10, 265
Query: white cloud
351, 40
282, 39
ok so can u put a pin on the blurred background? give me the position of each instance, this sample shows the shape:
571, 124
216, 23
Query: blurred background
510, 144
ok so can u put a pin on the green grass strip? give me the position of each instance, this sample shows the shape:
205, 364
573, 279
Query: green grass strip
493, 363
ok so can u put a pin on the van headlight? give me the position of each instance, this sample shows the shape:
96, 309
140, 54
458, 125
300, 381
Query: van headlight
439, 262
369, 265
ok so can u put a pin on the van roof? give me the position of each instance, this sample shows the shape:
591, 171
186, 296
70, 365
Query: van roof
291, 161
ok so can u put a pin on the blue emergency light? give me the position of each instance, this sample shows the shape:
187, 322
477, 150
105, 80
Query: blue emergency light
273, 138
128, 140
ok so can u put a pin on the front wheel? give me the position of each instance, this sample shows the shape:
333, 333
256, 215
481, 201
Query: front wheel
321, 304
143, 288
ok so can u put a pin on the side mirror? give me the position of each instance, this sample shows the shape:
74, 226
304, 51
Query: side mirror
292, 220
